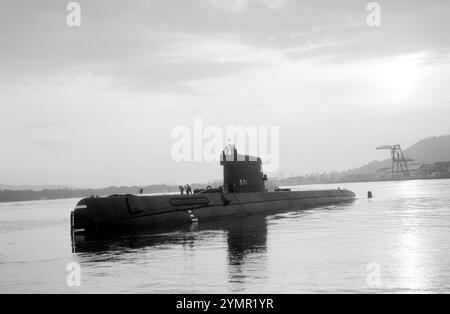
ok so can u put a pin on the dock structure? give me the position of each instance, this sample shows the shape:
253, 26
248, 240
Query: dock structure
399, 161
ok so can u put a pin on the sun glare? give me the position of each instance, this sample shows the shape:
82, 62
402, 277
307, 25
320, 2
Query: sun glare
397, 77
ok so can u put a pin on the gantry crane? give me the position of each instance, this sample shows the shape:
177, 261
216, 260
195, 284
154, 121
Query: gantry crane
399, 161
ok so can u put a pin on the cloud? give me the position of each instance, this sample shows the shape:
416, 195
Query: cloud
172, 77
240, 5
152, 43
114, 88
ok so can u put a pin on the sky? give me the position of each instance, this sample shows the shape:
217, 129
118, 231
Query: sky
95, 105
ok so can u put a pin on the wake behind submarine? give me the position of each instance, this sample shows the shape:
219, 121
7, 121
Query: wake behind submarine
243, 193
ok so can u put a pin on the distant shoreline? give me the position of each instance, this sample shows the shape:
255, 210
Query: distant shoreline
12, 196
366, 180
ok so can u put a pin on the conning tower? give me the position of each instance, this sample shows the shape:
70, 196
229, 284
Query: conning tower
242, 173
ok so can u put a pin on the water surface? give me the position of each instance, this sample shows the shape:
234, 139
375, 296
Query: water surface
401, 236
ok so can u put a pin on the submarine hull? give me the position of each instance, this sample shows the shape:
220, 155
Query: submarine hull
113, 214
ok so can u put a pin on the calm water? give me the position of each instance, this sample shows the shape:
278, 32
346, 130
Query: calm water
403, 234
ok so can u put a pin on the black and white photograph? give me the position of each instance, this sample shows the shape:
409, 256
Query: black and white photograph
224, 153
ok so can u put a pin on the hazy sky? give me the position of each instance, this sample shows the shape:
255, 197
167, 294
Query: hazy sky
95, 105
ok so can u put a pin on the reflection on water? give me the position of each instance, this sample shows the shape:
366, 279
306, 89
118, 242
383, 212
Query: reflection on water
246, 239
404, 230
247, 243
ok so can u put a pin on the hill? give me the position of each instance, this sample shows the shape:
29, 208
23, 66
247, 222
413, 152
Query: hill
429, 150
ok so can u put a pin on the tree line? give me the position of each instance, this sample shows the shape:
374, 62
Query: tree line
48, 194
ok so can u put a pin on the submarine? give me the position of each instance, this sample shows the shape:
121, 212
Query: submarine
243, 193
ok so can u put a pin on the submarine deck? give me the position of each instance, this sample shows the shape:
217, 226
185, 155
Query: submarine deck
128, 212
